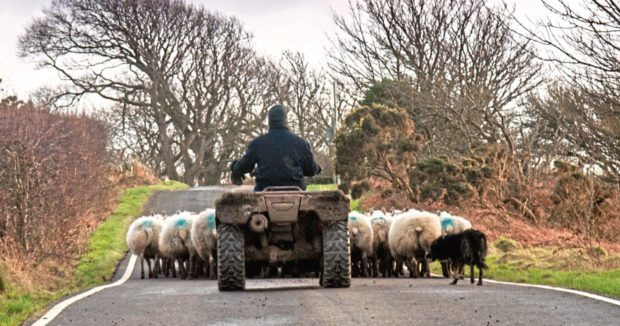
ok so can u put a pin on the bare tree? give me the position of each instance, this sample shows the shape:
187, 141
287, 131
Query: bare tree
583, 39
465, 65
185, 80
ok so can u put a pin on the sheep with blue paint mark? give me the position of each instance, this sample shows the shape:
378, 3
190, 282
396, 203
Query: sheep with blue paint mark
360, 235
382, 257
175, 242
142, 239
204, 238
451, 224
410, 237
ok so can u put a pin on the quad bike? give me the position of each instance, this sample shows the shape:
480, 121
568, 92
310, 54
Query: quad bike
282, 231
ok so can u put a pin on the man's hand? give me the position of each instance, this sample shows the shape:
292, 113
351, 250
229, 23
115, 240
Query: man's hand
232, 165
237, 178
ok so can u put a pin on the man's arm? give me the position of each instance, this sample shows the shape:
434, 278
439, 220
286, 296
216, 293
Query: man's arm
310, 167
246, 163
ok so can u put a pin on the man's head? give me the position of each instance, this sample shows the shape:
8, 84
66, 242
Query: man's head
277, 116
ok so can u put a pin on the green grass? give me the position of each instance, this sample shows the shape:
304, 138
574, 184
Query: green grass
106, 247
331, 186
587, 270
605, 282
355, 203
107, 244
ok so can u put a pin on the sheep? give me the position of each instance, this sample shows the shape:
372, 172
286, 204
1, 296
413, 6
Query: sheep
204, 238
360, 233
467, 247
142, 240
410, 238
451, 224
175, 241
382, 258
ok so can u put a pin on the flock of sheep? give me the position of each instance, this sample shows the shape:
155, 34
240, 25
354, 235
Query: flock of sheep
381, 243
186, 238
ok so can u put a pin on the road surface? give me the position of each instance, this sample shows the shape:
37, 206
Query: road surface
402, 301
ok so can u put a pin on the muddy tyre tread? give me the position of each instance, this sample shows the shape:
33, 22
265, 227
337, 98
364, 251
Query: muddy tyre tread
231, 258
336, 256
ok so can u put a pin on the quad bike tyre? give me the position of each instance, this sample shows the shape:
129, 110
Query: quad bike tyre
231, 258
336, 258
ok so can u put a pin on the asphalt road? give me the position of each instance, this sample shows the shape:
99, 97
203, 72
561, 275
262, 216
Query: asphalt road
402, 301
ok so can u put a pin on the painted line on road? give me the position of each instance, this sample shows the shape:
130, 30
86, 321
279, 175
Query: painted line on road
58, 308
552, 288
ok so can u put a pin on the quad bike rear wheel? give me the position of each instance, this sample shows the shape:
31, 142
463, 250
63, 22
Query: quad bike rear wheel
231, 258
336, 271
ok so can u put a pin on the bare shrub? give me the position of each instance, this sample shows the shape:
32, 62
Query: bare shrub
51, 170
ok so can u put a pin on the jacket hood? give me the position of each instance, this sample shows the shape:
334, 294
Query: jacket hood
277, 117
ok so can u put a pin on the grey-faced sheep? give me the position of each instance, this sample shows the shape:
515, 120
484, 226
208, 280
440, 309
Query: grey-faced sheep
451, 224
410, 238
382, 257
142, 239
175, 241
360, 235
204, 238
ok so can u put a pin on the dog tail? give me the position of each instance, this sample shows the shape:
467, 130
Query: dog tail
482, 264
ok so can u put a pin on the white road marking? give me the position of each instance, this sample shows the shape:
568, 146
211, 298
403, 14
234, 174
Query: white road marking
552, 288
58, 308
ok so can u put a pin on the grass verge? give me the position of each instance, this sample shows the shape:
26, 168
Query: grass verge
106, 247
575, 268
355, 203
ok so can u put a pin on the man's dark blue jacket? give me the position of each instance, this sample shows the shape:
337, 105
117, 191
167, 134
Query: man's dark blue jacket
283, 158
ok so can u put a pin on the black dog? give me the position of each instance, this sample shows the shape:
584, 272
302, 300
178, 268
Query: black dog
466, 248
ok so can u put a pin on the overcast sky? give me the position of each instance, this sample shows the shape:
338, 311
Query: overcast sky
277, 25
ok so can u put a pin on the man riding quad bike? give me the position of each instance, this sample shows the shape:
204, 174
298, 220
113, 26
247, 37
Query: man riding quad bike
280, 229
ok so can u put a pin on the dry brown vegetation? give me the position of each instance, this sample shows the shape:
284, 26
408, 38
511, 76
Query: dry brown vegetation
58, 184
521, 154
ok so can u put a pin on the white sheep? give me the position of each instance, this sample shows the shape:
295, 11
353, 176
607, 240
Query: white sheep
382, 257
204, 238
410, 238
451, 224
360, 234
142, 240
175, 241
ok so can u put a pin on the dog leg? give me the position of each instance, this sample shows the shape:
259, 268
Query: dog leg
471, 272
479, 276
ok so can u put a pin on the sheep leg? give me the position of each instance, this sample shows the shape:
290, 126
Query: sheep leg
148, 263
141, 267
426, 267
173, 267
211, 269
191, 267
182, 270
364, 265
412, 266
399, 268
390, 266
156, 266
471, 272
